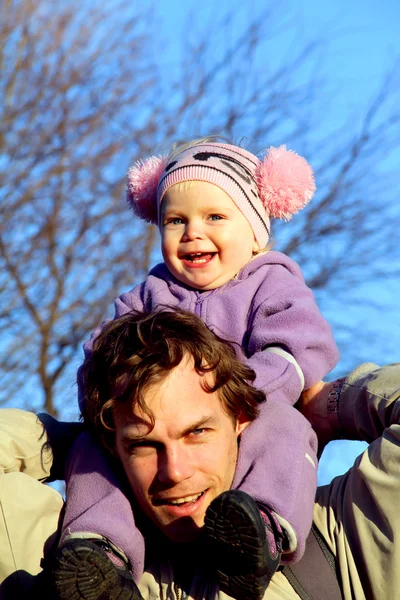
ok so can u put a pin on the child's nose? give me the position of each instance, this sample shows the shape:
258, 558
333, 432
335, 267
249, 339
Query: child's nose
193, 230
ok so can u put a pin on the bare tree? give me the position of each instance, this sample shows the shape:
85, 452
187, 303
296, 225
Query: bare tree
68, 90
84, 93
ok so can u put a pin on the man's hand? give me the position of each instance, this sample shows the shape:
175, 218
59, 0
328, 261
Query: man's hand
313, 404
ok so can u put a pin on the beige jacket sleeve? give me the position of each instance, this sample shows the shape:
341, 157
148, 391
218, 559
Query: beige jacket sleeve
23, 445
358, 513
29, 510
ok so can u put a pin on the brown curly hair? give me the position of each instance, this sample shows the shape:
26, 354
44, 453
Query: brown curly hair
139, 350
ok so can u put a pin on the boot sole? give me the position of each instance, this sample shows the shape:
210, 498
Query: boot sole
236, 532
83, 571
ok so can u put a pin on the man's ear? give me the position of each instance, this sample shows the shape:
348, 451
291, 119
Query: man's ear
242, 423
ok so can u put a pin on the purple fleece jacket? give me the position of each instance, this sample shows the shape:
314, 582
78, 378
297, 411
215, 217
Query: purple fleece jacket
267, 307
270, 315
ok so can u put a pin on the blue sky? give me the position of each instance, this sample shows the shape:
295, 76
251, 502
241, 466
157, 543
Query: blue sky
362, 36
362, 43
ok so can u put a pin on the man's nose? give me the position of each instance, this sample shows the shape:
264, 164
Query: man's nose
174, 465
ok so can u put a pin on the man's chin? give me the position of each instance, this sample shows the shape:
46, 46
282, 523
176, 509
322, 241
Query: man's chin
183, 522
182, 531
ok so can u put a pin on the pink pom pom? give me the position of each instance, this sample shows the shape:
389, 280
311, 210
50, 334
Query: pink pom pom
285, 182
142, 182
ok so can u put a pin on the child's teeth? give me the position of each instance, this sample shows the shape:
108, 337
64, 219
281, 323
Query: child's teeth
194, 257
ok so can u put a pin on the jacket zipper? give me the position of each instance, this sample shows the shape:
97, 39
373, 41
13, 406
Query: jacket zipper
198, 305
177, 592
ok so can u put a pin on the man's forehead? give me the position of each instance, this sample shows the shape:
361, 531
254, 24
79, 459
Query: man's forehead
170, 426
181, 400
183, 378
126, 417
193, 406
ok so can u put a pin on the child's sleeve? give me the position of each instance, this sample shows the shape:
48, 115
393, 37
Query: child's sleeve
290, 344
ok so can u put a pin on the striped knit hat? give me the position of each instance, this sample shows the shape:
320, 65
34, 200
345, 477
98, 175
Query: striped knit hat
278, 185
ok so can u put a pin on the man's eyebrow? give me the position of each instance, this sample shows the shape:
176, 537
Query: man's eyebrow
208, 420
129, 438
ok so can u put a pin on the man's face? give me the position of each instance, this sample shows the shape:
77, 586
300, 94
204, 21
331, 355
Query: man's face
176, 469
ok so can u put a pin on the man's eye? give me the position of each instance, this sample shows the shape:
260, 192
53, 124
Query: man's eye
140, 447
199, 431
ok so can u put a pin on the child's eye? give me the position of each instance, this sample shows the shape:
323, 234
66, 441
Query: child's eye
216, 217
174, 221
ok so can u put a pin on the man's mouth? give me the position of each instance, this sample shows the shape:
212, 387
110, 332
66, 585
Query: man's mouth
199, 257
185, 500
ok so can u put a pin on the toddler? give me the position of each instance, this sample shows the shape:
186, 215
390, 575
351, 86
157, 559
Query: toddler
212, 202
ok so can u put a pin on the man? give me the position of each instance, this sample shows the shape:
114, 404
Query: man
178, 446
173, 420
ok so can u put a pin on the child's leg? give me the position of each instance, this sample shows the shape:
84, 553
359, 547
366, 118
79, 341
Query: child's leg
267, 518
96, 503
243, 545
277, 466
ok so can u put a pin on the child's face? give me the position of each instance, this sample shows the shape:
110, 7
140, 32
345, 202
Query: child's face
206, 239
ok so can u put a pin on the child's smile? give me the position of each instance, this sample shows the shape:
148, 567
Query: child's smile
198, 258
206, 239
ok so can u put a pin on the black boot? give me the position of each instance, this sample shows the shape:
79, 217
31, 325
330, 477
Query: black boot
83, 570
245, 545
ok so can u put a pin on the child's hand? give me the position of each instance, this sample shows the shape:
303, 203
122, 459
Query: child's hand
313, 404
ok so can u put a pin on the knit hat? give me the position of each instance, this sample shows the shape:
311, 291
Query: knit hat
278, 185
